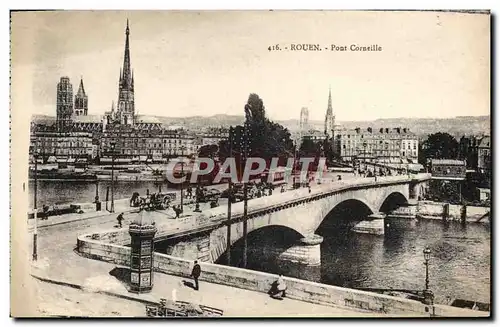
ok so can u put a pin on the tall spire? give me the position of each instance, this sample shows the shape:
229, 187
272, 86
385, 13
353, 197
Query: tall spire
126, 58
329, 117
329, 110
125, 110
81, 89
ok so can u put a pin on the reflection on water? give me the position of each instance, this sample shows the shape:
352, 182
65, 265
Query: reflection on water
459, 266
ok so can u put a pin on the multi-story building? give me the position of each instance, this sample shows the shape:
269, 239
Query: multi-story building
384, 144
468, 151
484, 155
314, 135
143, 145
213, 136
63, 145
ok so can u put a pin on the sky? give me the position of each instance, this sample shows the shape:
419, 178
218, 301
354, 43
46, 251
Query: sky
432, 64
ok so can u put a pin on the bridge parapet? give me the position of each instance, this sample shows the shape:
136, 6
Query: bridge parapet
217, 217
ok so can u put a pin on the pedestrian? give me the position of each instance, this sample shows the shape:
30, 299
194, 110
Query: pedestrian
120, 219
281, 286
45, 215
196, 274
278, 288
177, 211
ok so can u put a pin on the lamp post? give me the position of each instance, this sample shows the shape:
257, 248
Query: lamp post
364, 156
427, 256
295, 155
182, 148
229, 197
245, 187
428, 296
35, 232
97, 202
112, 209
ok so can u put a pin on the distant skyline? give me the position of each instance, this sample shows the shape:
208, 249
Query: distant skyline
433, 64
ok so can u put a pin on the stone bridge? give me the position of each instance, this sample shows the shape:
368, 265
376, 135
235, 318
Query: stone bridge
204, 236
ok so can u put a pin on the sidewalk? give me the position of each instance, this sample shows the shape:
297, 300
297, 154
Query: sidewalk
120, 206
96, 279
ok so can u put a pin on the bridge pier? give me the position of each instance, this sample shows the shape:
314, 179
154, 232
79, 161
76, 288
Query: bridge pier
195, 248
307, 252
374, 224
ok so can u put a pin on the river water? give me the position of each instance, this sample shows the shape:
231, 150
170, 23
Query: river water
459, 266
62, 192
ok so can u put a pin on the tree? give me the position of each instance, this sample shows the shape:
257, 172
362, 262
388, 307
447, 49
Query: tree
309, 148
439, 146
208, 151
267, 139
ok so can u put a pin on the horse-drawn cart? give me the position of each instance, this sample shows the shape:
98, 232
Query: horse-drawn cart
154, 201
211, 195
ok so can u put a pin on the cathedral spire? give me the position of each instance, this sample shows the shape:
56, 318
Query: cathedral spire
126, 57
329, 117
125, 107
329, 110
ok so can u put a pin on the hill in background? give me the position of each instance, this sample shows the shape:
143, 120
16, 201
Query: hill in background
457, 126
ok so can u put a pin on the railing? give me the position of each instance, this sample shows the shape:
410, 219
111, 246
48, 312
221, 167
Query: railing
260, 206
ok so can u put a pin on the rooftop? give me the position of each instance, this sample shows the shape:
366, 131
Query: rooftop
88, 119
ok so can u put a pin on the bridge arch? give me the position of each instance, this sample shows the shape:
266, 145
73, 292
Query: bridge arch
349, 210
392, 202
272, 236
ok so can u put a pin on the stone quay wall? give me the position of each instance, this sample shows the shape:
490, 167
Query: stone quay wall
99, 246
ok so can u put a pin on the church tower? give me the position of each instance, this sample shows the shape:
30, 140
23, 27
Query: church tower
64, 104
329, 118
81, 101
304, 120
126, 109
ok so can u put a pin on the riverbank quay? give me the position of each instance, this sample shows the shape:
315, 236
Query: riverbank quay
58, 260
123, 208
107, 247
69, 281
88, 209
444, 211
234, 302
